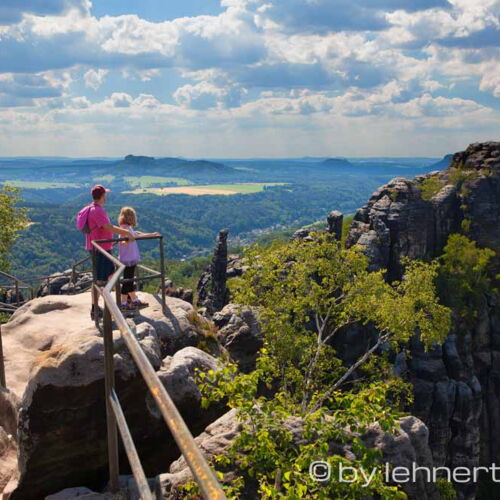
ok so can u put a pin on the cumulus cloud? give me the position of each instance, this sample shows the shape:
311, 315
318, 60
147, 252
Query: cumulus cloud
259, 61
119, 100
490, 81
94, 78
487, 37
11, 11
26, 89
205, 95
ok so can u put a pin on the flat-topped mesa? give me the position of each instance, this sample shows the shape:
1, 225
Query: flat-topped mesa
414, 219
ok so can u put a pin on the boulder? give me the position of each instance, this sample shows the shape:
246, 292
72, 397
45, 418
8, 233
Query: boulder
302, 234
185, 294
239, 333
54, 366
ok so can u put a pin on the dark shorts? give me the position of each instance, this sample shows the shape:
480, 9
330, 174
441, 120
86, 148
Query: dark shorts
103, 266
128, 286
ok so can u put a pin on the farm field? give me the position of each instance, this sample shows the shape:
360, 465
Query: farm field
39, 184
146, 181
210, 189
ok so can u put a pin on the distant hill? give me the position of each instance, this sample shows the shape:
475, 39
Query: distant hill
336, 162
445, 162
177, 166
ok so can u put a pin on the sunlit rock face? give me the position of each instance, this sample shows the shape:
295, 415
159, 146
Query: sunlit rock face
55, 413
456, 385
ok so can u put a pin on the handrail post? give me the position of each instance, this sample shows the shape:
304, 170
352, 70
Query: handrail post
109, 382
95, 295
162, 271
118, 289
2, 366
17, 293
73, 278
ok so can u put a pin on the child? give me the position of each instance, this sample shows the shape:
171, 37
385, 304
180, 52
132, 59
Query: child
129, 255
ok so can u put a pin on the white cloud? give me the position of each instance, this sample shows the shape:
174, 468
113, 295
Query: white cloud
94, 78
205, 95
283, 64
12, 11
490, 81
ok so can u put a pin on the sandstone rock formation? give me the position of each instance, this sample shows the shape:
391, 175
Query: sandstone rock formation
407, 446
212, 290
334, 220
54, 366
239, 333
456, 384
398, 222
182, 293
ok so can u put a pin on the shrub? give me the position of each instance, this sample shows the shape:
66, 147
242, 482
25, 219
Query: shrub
430, 186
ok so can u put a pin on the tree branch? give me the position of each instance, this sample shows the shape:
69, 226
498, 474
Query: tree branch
383, 338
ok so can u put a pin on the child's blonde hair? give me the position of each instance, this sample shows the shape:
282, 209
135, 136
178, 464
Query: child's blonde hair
127, 217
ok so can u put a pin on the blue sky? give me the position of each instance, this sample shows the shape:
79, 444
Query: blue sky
248, 78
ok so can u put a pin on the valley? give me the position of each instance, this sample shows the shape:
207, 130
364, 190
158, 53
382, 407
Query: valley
250, 197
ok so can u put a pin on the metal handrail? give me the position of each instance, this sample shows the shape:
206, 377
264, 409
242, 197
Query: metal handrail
114, 413
17, 286
73, 273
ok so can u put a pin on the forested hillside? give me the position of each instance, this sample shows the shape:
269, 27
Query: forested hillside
257, 196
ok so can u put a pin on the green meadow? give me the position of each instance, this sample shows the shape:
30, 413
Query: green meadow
39, 184
146, 181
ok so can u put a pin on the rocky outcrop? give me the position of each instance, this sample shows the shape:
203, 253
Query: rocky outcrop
302, 234
9, 406
215, 440
64, 283
54, 362
456, 385
182, 293
335, 220
212, 290
239, 333
398, 222
407, 446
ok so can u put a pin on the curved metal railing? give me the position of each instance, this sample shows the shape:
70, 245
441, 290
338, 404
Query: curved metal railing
114, 414
73, 275
16, 286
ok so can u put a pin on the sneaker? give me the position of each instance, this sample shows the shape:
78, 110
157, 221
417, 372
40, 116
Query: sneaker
127, 307
139, 304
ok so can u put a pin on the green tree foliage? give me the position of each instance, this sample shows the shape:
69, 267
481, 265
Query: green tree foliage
466, 274
189, 223
307, 293
12, 220
431, 186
